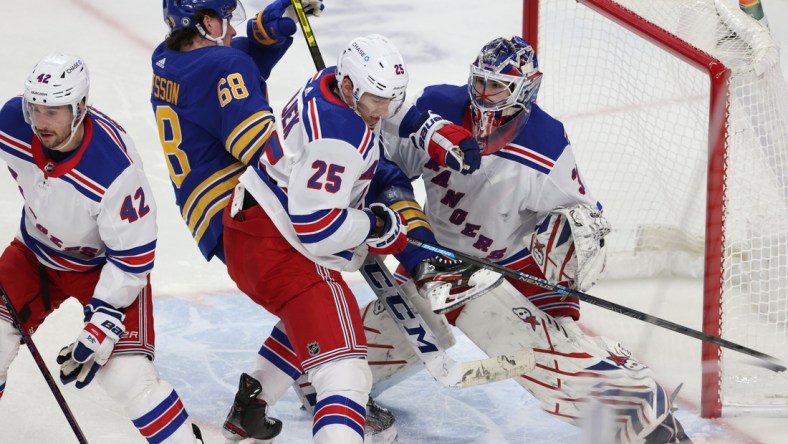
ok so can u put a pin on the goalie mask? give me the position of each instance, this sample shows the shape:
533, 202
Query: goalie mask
376, 67
185, 14
503, 83
58, 80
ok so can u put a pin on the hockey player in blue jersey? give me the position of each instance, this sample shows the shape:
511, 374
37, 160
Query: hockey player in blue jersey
209, 97
526, 208
88, 231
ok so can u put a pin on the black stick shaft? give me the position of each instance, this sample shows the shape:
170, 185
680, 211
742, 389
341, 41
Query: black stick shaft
311, 42
61, 401
771, 362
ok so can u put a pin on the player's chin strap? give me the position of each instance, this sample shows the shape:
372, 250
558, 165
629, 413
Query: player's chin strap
218, 40
766, 361
441, 366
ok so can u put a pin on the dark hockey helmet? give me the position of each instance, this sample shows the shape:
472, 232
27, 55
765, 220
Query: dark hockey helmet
503, 83
180, 14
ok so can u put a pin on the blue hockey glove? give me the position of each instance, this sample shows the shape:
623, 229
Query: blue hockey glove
277, 21
81, 360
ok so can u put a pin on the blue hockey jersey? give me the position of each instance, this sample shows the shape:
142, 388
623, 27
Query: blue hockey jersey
213, 119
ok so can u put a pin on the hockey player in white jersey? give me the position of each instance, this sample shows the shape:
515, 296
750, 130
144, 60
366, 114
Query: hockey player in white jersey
88, 231
527, 208
302, 216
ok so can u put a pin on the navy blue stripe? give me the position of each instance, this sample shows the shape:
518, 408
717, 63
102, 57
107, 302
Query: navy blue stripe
326, 232
136, 251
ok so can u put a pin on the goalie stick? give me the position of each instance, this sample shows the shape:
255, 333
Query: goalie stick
766, 361
441, 366
61, 401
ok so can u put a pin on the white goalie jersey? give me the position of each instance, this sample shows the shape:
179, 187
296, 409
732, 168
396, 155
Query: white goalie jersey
491, 212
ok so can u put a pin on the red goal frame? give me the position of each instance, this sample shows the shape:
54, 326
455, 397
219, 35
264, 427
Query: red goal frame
719, 74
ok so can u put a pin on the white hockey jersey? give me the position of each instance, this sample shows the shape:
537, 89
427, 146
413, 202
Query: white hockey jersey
489, 213
314, 184
92, 209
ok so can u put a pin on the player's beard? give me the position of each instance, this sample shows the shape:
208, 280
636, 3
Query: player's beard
52, 140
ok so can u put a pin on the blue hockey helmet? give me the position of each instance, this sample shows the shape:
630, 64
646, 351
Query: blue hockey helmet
180, 14
503, 83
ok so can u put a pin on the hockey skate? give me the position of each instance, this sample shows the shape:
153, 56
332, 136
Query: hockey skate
449, 283
247, 417
668, 431
379, 425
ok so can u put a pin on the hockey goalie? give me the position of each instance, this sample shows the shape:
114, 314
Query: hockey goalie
526, 208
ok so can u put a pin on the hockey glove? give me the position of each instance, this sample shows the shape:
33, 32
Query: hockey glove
569, 245
392, 237
277, 21
81, 360
448, 144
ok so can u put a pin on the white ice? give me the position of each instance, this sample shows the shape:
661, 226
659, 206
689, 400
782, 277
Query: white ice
207, 332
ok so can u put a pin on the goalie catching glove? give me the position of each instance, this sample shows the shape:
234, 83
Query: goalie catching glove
391, 235
82, 359
569, 245
449, 283
448, 144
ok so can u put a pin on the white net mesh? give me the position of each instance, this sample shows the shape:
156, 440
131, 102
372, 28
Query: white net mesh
638, 119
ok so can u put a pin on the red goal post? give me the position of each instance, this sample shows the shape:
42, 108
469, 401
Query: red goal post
664, 101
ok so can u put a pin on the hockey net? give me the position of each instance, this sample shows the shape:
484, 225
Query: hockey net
678, 114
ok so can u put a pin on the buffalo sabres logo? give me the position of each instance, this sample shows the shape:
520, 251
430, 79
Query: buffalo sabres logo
526, 316
313, 348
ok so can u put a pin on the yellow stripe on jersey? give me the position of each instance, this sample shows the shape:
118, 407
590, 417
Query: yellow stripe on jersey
217, 207
249, 136
413, 214
204, 195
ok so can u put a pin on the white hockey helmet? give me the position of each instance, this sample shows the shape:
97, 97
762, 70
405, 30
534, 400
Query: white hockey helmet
375, 66
58, 80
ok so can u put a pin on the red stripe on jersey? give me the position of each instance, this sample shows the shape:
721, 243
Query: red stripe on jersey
319, 224
141, 259
530, 154
8, 140
314, 121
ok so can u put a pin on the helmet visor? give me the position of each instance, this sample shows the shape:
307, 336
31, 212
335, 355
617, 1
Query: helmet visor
235, 16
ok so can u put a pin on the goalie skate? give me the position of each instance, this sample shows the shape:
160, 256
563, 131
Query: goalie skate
379, 425
449, 283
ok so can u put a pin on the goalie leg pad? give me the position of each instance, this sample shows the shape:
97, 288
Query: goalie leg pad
151, 403
342, 388
389, 353
572, 367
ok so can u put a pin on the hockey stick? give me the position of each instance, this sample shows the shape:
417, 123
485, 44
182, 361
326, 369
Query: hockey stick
441, 366
767, 361
308, 35
61, 401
